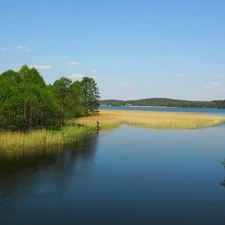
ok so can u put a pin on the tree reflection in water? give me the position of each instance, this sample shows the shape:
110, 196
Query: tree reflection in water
223, 163
20, 171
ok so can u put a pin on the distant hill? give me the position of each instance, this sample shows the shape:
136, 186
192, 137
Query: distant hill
165, 102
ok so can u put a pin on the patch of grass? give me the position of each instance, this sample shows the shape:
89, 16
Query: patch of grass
155, 120
15, 141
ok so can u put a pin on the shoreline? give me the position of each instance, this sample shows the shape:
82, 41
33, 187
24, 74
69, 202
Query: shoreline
149, 106
139, 106
76, 129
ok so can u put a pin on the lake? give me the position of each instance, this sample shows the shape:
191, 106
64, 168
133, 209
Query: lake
123, 176
220, 112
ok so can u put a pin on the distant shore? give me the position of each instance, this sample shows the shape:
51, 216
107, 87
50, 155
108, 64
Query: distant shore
166, 102
138, 106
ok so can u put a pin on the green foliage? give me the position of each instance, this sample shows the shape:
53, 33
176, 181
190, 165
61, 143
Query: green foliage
91, 95
223, 162
33, 76
61, 89
11, 75
23, 70
76, 103
27, 103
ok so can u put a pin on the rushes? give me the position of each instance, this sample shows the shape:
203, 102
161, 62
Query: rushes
77, 128
15, 141
156, 120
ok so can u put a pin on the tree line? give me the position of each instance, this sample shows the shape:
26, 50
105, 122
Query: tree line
166, 102
27, 103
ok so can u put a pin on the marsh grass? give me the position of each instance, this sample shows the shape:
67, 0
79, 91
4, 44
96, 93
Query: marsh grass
155, 120
17, 141
77, 128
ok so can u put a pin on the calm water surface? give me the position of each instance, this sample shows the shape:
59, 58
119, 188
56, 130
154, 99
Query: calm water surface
124, 176
220, 112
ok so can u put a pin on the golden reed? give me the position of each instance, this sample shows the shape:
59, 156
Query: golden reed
155, 120
77, 128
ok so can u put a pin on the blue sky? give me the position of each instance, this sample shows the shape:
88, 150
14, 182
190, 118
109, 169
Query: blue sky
134, 49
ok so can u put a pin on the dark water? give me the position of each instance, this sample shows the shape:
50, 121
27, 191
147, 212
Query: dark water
124, 176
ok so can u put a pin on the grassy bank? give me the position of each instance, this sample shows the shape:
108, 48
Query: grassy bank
76, 129
16, 141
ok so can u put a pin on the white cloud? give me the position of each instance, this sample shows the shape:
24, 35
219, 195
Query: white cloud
72, 63
181, 75
44, 67
4, 48
220, 76
93, 72
23, 49
76, 76
212, 85
127, 84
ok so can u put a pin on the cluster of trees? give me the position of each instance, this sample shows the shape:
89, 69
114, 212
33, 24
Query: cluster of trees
220, 104
166, 102
26, 102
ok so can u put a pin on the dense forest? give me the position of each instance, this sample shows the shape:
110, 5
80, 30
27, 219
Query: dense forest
27, 103
166, 102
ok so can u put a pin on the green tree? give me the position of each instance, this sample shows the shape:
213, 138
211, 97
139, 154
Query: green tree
33, 76
26, 102
9, 101
61, 89
11, 75
91, 95
76, 100
23, 70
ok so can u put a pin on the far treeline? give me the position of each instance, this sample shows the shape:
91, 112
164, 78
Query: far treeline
166, 102
27, 103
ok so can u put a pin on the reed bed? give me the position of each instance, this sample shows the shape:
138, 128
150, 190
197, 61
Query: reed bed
16, 141
77, 128
155, 120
